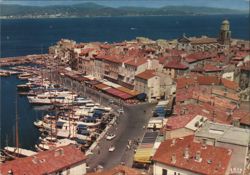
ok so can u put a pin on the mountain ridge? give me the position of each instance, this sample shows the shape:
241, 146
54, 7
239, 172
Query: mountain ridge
92, 10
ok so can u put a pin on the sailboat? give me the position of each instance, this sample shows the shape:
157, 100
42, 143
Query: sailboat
14, 152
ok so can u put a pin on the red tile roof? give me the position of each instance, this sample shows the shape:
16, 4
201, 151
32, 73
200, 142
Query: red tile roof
176, 64
219, 158
229, 84
211, 68
208, 80
180, 121
119, 169
147, 74
136, 61
213, 113
182, 82
46, 162
244, 116
198, 56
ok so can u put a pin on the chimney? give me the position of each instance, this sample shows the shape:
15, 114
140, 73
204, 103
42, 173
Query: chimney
59, 152
186, 153
35, 160
173, 159
10, 172
173, 142
204, 144
121, 172
236, 122
198, 156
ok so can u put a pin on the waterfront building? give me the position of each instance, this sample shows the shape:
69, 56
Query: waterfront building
63, 160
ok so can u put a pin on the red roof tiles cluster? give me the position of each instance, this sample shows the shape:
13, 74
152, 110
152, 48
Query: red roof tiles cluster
180, 121
198, 56
136, 62
211, 68
183, 82
208, 80
229, 84
176, 64
244, 116
46, 162
212, 161
213, 113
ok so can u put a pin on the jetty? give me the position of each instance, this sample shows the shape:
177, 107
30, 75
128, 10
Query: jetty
11, 61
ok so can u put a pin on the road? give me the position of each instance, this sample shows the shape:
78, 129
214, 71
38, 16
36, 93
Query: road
129, 127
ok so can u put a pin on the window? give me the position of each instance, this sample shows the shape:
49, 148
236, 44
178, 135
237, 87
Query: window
164, 172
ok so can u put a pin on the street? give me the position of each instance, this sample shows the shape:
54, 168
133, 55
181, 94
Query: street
129, 127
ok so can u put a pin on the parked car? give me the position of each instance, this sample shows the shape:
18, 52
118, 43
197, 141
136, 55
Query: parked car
111, 148
120, 111
110, 136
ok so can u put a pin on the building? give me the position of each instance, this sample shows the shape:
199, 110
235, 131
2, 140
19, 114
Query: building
63, 160
230, 137
119, 170
183, 125
148, 82
184, 156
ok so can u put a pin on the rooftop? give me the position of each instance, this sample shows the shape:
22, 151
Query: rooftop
225, 133
45, 162
212, 160
119, 170
147, 74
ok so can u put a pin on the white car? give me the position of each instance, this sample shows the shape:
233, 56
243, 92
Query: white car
120, 111
110, 136
111, 148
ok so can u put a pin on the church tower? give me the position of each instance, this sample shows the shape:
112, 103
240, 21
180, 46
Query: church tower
225, 33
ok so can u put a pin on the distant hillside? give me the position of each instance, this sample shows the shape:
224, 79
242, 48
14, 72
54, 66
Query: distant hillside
92, 9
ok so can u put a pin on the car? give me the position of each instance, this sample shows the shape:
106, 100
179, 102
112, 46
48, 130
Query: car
111, 101
110, 136
111, 148
120, 111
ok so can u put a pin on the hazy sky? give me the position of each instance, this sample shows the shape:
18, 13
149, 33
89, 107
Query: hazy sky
233, 4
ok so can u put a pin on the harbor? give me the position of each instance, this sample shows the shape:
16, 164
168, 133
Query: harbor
76, 120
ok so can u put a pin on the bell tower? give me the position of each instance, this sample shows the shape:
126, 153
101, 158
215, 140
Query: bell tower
225, 33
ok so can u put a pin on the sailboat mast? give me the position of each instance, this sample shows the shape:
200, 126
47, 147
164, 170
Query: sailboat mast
17, 134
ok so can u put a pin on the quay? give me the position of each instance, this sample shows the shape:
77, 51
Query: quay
11, 61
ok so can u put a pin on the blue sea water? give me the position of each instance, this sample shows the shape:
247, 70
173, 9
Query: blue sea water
34, 36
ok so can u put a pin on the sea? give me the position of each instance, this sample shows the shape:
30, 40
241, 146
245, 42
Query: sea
34, 36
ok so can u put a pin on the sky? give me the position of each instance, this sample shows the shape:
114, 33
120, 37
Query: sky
232, 4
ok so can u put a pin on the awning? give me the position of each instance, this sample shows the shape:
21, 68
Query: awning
128, 91
118, 93
102, 86
143, 155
